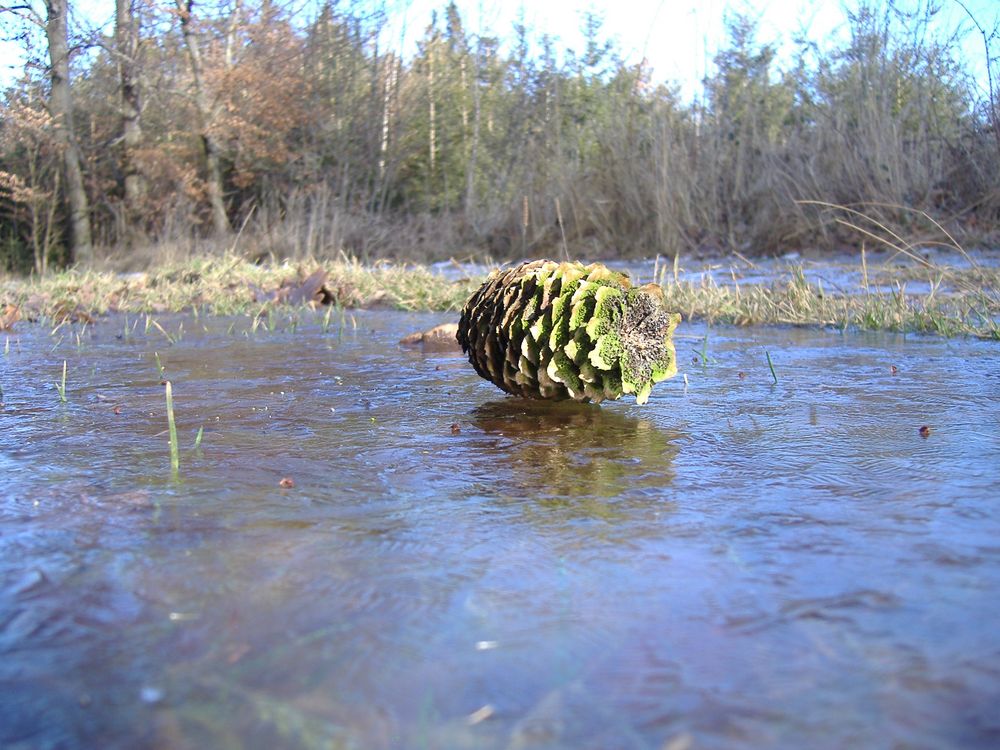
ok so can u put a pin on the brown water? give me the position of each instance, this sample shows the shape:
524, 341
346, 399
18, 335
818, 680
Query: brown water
736, 564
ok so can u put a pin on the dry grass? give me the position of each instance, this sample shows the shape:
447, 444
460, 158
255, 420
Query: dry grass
950, 302
231, 285
958, 300
793, 300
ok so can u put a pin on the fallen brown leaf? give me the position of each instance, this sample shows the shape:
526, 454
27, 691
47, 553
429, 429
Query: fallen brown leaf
311, 290
440, 338
11, 314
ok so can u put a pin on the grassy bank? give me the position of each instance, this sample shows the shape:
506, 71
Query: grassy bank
948, 308
233, 285
914, 295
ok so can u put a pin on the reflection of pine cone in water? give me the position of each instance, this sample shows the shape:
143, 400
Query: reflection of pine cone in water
566, 451
565, 330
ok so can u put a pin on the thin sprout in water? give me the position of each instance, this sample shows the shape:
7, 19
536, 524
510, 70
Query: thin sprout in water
175, 460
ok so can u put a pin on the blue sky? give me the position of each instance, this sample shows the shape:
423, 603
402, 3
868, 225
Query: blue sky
677, 37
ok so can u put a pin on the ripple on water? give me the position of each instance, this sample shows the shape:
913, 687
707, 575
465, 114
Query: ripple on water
737, 564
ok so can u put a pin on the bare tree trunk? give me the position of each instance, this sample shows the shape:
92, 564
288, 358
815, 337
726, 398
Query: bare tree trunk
266, 14
387, 96
127, 49
470, 167
993, 115
393, 107
213, 167
61, 109
465, 107
432, 111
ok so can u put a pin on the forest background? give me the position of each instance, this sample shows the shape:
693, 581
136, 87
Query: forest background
300, 130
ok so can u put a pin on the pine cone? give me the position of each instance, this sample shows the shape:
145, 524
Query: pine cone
565, 330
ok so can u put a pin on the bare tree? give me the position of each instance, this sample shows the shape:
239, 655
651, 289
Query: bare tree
431, 113
127, 52
989, 36
213, 167
61, 110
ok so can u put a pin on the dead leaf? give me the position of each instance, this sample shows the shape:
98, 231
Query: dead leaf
439, 339
312, 290
11, 314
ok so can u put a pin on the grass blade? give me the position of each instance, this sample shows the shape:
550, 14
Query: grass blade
61, 387
770, 364
175, 460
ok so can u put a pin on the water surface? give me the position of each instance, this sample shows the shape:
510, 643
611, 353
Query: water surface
738, 563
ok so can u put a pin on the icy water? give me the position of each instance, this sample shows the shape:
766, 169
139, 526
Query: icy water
738, 564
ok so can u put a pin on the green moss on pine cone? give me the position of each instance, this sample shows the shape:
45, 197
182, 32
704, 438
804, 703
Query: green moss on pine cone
549, 330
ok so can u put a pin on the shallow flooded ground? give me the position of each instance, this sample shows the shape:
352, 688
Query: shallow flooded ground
739, 563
